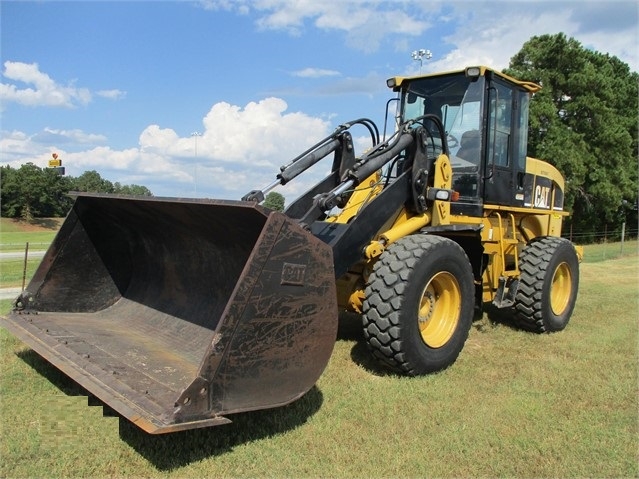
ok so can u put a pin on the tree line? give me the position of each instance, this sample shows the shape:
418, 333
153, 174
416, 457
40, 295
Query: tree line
32, 192
584, 121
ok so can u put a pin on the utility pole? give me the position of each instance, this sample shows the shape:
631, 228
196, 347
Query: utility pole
195, 134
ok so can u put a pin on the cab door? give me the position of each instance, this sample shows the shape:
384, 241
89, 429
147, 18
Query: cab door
507, 129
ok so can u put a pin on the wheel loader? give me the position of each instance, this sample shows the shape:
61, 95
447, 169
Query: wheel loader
178, 313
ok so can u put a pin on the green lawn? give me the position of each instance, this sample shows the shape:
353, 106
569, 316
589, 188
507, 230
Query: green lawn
515, 404
594, 253
12, 271
14, 236
16, 241
39, 234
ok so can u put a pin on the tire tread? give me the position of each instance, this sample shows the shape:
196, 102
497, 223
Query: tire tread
385, 295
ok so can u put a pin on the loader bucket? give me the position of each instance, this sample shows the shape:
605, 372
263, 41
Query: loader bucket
176, 312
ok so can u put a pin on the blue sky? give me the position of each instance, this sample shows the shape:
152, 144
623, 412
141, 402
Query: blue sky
120, 87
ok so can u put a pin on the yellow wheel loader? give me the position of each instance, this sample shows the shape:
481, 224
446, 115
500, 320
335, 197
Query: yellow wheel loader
180, 312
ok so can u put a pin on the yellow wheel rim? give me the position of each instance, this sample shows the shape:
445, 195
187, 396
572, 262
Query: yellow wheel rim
439, 309
560, 289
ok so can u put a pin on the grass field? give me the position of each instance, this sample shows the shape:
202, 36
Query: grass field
515, 404
15, 234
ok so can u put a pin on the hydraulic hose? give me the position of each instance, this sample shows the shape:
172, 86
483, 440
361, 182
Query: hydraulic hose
365, 167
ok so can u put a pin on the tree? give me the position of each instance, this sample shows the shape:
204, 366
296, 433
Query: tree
584, 121
30, 192
91, 181
135, 190
275, 201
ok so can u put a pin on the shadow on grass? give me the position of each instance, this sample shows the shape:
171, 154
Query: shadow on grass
56, 377
500, 317
350, 329
175, 450
361, 356
52, 224
48, 223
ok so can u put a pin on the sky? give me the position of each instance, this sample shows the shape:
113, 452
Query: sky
209, 98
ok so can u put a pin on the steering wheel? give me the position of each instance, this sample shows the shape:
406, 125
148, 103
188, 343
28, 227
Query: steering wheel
452, 141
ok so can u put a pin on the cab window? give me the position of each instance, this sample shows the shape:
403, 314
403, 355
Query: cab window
499, 123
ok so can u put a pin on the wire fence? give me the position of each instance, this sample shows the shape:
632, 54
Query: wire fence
17, 267
18, 262
20, 247
607, 235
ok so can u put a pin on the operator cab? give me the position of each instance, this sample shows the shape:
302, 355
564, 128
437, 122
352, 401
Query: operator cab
485, 116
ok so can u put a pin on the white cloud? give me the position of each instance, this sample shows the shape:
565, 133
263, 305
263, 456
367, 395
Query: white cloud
480, 32
75, 136
102, 158
479, 39
315, 73
366, 22
238, 5
111, 94
45, 91
368, 34
261, 134
360, 18
490, 33
34, 88
240, 149
15, 145
157, 139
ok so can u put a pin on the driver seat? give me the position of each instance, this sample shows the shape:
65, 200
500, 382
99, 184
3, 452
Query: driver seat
469, 146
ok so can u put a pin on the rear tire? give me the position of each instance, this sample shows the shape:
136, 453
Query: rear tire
548, 285
419, 304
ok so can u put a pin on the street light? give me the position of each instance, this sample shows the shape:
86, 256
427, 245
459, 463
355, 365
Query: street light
418, 55
195, 134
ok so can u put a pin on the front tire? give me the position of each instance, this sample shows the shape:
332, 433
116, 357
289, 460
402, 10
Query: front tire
419, 304
548, 285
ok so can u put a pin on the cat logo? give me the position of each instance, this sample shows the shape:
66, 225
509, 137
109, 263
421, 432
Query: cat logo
542, 197
293, 274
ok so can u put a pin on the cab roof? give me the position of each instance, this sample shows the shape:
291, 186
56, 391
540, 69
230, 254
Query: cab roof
396, 82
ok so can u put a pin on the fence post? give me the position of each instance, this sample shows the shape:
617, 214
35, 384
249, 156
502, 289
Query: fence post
24, 268
623, 234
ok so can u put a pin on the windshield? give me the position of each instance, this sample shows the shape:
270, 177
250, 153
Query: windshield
457, 101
